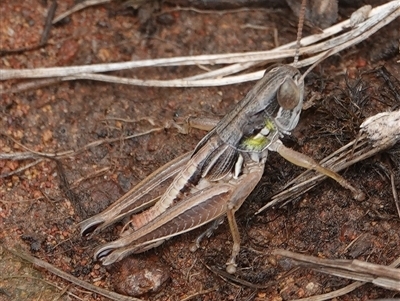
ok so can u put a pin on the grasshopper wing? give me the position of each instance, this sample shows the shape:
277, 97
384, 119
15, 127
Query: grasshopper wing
138, 198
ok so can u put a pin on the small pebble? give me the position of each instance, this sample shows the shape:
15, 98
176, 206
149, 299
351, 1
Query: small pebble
136, 277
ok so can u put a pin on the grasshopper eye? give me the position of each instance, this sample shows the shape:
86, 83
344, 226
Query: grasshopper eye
288, 94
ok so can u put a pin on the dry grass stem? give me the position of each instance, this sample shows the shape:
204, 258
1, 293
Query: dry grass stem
378, 18
78, 7
52, 269
32, 154
380, 275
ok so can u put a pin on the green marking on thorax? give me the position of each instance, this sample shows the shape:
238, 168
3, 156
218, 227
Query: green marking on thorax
259, 141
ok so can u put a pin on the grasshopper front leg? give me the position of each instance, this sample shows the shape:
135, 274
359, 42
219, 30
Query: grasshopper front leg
302, 160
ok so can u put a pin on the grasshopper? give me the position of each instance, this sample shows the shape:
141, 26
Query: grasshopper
215, 179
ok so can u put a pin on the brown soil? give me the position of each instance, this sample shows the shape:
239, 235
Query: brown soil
39, 216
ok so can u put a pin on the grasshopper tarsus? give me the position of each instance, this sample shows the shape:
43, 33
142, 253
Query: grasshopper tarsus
231, 266
359, 195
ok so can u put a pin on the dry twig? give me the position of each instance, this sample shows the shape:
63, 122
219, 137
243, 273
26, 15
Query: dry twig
52, 269
380, 275
40, 156
78, 7
44, 37
378, 17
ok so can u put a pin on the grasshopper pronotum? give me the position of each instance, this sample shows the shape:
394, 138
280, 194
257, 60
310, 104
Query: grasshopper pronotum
216, 178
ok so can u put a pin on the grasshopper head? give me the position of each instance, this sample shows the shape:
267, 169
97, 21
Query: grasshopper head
273, 108
270, 109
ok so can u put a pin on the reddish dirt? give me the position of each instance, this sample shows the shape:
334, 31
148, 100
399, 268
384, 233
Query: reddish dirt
39, 217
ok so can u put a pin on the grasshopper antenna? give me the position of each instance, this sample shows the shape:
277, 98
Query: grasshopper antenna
299, 31
324, 56
299, 34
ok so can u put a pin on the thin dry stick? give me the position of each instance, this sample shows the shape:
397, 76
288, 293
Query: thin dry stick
94, 174
79, 7
47, 282
21, 169
68, 153
52, 269
32, 85
394, 191
32, 154
368, 28
384, 276
218, 12
62, 293
45, 34
163, 62
18, 156
198, 294
237, 281
224, 71
340, 292
47, 27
